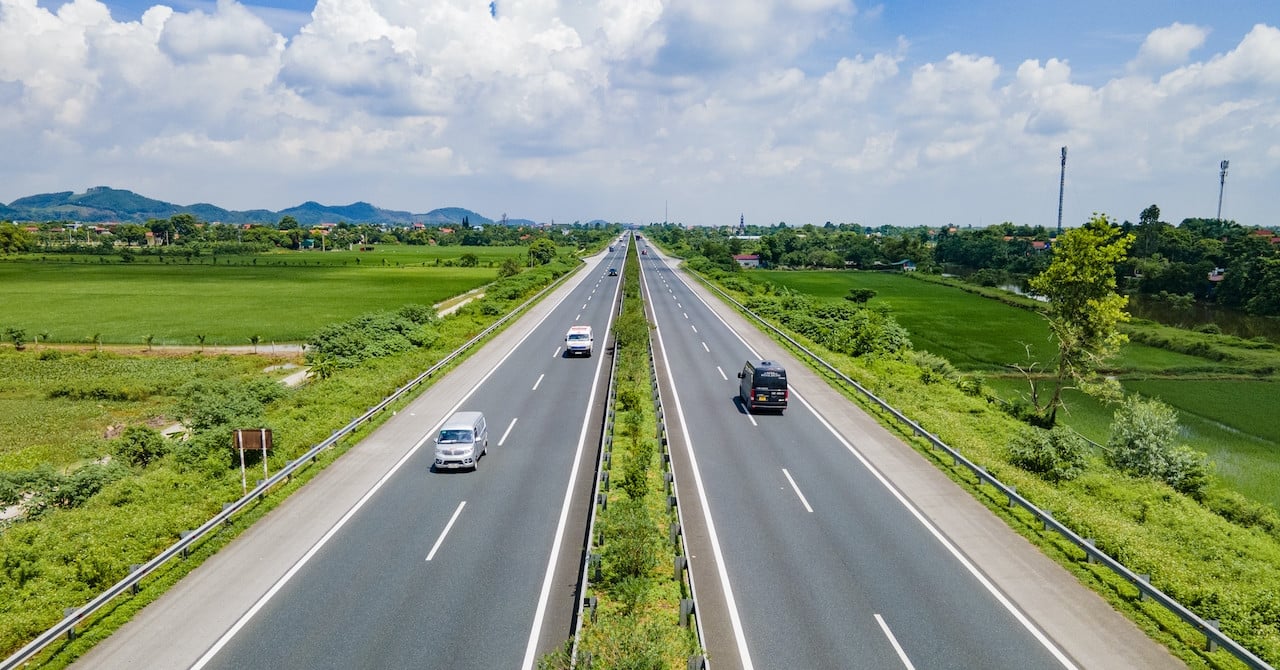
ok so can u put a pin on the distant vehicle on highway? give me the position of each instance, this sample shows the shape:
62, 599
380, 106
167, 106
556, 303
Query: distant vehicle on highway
644, 252
763, 386
613, 272
463, 439
610, 247
578, 341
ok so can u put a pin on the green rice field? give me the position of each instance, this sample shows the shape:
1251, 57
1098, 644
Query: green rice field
279, 297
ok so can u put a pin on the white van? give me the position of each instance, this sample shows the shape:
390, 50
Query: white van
463, 439
578, 341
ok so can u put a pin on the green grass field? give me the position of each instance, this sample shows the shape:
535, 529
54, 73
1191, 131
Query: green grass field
227, 303
972, 332
1232, 420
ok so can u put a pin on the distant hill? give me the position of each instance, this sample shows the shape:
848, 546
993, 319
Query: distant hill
453, 215
105, 204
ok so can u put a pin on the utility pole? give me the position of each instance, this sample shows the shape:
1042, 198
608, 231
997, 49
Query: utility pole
1222, 183
1062, 181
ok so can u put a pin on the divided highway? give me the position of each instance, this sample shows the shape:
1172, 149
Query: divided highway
381, 563
804, 555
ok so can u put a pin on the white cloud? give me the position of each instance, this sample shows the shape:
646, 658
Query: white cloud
1171, 45
617, 104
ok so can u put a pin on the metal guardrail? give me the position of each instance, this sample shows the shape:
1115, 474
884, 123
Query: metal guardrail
689, 612
74, 616
688, 607
1213, 636
590, 560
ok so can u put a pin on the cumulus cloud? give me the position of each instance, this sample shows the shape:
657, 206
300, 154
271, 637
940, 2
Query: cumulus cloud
1171, 45
610, 104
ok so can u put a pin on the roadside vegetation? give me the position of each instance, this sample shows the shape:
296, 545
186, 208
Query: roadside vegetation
636, 620
96, 488
1141, 493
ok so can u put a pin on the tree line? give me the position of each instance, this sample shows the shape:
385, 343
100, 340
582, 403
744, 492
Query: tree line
187, 234
1211, 260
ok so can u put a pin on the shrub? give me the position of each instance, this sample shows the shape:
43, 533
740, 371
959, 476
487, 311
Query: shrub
1143, 444
140, 445
934, 368
1056, 455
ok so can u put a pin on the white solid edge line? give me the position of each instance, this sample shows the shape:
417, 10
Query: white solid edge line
924, 521
797, 490
315, 548
535, 384
734, 619
440, 540
531, 649
894, 641
511, 425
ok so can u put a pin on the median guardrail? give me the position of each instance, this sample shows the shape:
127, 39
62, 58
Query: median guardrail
1214, 637
180, 548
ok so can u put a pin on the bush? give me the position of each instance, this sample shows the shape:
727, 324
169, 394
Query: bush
140, 445
1143, 444
1056, 455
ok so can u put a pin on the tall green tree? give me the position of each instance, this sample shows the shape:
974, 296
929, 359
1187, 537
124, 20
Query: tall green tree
542, 251
1084, 309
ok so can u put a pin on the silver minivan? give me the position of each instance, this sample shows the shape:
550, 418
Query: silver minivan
463, 439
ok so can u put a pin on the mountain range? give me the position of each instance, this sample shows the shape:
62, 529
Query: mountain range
104, 204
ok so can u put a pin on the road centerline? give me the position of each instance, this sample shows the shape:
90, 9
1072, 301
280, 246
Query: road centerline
535, 384
507, 432
795, 488
440, 540
902, 655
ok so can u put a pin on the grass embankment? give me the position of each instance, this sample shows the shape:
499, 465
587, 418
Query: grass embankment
1225, 389
226, 303
636, 623
68, 555
1221, 559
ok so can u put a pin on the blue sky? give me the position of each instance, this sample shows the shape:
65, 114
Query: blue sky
907, 112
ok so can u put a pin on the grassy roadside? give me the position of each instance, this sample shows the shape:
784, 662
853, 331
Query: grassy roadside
1225, 388
1221, 569
67, 556
636, 620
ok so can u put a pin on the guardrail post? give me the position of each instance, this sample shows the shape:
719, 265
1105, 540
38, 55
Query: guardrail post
674, 531
182, 535
134, 587
66, 612
1142, 594
697, 662
590, 604
1012, 490
602, 500
1047, 515
594, 561
680, 563
1211, 643
1088, 555
604, 479
686, 609
666, 478
671, 503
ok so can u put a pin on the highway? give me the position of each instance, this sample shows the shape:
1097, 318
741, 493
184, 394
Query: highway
808, 557
382, 563
817, 539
